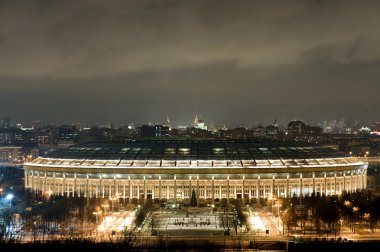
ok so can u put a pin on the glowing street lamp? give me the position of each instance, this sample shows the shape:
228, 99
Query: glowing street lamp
366, 216
9, 197
278, 214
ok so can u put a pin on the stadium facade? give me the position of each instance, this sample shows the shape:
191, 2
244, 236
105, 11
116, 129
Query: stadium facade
215, 170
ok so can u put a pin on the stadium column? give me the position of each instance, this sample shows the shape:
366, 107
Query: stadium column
250, 193
287, 186
197, 189
228, 189
272, 186
40, 179
124, 192
301, 189
138, 191
45, 182
114, 191
64, 184
30, 176
145, 197
331, 187
159, 189
86, 192
220, 192
49, 188
335, 183
357, 181
344, 180
39, 183
258, 190
213, 190
175, 190
313, 174
75, 185
364, 175
36, 181
190, 191
33, 188
97, 190
235, 194
26, 176
351, 182
167, 192
129, 189
242, 190
54, 186
325, 184
101, 185
35, 178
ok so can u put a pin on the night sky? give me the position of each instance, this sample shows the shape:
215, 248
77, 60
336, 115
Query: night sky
233, 62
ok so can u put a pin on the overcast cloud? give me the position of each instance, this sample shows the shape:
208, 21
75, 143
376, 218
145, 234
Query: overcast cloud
234, 62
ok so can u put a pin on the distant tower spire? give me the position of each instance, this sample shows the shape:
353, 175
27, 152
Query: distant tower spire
196, 120
275, 121
167, 120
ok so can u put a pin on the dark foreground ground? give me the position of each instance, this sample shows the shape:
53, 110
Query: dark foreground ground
84, 246
362, 246
177, 245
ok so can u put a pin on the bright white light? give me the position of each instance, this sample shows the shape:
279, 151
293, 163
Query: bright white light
256, 222
9, 196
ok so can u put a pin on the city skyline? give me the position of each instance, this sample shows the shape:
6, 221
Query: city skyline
138, 61
338, 123
177, 125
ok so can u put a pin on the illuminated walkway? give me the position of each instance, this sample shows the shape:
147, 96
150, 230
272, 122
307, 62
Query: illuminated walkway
116, 222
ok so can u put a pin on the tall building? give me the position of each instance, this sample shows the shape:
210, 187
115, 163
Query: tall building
296, 128
6, 122
168, 123
157, 130
299, 128
11, 156
375, 128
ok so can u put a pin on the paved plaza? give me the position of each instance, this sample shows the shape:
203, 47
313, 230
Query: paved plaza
116, 221
180, 223
203, 222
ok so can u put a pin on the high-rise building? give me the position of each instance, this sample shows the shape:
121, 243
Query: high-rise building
6, 122
157, 130
68, 134
375, 128
296, 128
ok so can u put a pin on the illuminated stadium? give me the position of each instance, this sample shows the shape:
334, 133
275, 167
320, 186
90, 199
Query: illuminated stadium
170, 170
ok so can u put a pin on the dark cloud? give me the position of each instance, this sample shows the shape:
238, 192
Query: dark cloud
240, 63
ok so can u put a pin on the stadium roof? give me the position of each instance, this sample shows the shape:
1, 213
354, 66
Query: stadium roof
195, 153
